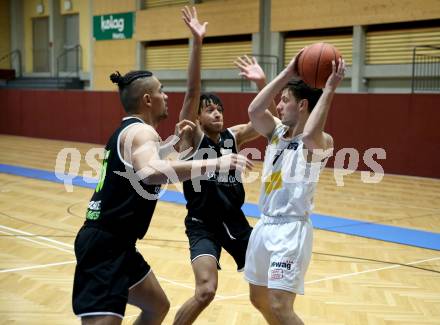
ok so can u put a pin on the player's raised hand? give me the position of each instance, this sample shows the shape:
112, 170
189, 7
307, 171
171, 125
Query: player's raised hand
292, 67
250, 69
184, 128
338, 73
190, 18
184, 133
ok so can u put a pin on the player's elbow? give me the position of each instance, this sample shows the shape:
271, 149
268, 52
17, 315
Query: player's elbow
254, 112
155, 178
252, 109
159, 172
147, 181
149, 175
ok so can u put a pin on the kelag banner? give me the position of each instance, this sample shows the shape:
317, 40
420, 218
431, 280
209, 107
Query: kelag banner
113, 26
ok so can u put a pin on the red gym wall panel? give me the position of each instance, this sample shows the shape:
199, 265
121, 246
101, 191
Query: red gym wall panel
10, 112
423, 133
406, 126
365, 121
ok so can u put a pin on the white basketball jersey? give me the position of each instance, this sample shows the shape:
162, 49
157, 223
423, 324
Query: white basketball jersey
288, 181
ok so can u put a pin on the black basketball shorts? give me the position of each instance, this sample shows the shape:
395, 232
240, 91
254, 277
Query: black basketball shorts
107, 267
206, 241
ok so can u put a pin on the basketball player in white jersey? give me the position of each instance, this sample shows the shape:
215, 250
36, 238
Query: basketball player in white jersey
280, 246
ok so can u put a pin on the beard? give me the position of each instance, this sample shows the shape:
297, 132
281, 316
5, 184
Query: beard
164, 114
212, 128
217, 127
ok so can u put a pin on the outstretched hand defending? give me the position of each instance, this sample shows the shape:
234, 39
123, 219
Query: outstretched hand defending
250, 69
190, 18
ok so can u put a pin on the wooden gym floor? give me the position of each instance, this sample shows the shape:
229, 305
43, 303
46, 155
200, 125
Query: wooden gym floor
351, 280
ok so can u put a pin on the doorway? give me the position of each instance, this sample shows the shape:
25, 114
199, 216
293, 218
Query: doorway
40, 44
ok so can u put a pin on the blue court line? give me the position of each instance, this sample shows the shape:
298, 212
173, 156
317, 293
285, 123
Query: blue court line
394, 234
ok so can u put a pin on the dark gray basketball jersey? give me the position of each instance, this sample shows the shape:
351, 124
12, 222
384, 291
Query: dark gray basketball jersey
220, 195
115, 205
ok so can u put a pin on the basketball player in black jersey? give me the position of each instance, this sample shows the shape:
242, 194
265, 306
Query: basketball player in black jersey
215, 218
110, 272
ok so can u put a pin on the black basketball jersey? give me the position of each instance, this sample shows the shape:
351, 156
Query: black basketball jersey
221, 195
116, 205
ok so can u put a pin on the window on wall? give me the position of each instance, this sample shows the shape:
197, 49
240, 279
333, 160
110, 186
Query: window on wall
70, 61
166, 55
221, 52
217, 53
394, 43
40, 44
341, 38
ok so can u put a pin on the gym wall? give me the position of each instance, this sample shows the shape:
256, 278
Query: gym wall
82, 8
112, 55
405, 125
5, 33
29, 12
289, 15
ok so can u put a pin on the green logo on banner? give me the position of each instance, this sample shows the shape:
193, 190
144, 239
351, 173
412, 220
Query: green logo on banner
114, 26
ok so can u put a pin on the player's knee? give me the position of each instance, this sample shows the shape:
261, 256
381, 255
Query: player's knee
206, 293
277, 311
279, 308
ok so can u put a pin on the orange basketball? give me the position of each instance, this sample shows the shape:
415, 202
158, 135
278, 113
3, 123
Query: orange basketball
315, 63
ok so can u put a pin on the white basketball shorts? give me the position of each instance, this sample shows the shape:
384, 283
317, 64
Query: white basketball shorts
279, 253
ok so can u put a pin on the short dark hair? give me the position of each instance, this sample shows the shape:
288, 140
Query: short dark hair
207, 99
130, 90
300, 90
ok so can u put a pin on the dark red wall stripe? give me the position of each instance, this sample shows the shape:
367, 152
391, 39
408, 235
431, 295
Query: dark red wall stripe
407, 126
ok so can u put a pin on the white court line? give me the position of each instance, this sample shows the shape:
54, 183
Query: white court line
36, 266
68, 251
370, 271
221, 297
175, 283
37, 242
40, 237
343, 276
182, 285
